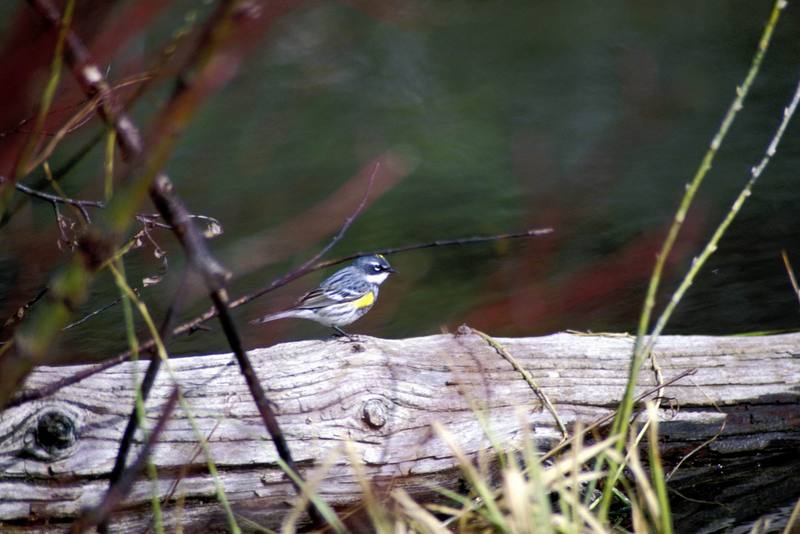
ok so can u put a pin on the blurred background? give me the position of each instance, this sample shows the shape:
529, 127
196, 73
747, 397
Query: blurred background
486, 117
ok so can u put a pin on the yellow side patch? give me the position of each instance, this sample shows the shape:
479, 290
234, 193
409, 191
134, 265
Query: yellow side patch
366, 300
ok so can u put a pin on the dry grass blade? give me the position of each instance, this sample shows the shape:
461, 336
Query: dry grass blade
424, 520
657, 470
540, 510
473, 476
585, 515
565, 465
794, 520
517, 499
649, 500
308, 494
376, 511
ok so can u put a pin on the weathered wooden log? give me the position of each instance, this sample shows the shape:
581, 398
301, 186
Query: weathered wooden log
383, 395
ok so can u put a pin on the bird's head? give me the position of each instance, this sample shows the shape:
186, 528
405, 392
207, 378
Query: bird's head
375, 268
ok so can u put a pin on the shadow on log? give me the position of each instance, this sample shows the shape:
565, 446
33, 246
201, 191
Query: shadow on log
383, 395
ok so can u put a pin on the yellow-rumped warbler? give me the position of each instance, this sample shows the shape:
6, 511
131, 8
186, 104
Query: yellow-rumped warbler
341, 298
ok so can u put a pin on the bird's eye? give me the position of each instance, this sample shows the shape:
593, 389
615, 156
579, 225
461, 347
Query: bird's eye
376, 268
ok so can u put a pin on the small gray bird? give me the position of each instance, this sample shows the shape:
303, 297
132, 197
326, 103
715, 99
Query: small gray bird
343, 297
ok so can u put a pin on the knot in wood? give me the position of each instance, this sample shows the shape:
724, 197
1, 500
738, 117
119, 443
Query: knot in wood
463, 330
52, 436
374, 412
55, 431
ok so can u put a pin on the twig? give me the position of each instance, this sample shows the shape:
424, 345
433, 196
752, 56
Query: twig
149, 219
533, 232
194, 324
23, 310
59, 173
45, 391
117, 493
56, 199
310, 266
605, 419
217, 33
98, 311
313, 263
501, 350
186, 466
729, 509
707, 442
633, 447
75, 122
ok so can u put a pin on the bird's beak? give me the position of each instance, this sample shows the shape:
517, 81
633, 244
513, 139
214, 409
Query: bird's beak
392, 270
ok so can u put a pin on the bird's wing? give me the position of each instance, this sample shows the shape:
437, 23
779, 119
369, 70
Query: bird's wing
331, 292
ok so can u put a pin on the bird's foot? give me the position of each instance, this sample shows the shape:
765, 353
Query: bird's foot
344, 336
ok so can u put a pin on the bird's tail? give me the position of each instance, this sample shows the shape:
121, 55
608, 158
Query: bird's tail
274, 317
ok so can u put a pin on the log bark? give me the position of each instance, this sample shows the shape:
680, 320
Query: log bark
383, 395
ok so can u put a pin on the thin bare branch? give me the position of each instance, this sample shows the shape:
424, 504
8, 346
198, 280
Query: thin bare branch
96, 312
460, 241
149, 219
313, 264
23, 310
56, 199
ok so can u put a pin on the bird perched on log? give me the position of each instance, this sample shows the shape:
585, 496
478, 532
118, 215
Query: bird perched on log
342, 298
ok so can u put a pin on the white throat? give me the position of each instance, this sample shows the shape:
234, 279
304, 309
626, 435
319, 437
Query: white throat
377, 278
